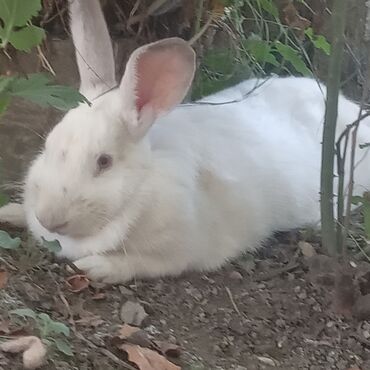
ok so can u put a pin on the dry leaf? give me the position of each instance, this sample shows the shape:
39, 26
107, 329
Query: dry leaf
3, 279
146, 359
77, 283
34, 351
126, 331
218, 8
293, 19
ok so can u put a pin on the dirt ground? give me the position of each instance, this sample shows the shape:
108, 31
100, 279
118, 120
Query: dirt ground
272, 310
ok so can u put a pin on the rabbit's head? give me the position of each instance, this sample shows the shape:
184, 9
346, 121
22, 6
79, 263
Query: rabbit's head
97, 158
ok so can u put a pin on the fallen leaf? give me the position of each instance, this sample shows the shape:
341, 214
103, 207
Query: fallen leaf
133, 335
168, 349
133, 313
3, 279
146, 359
34, 351
126, 331
77, 283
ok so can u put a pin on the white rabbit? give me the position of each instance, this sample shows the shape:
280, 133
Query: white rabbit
126, 198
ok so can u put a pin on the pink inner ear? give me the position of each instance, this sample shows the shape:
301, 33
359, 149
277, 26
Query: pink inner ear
162, 78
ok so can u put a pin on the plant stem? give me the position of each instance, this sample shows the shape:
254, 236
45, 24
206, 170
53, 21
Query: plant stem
198, 16
331, 114
341, 160
364, 98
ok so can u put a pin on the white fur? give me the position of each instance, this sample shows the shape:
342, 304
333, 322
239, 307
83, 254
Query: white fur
202, 185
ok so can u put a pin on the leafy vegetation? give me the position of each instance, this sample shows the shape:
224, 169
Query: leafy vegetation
16, 29
37, 88
52, 333
271, 47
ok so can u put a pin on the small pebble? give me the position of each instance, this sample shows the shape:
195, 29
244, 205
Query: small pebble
235, 275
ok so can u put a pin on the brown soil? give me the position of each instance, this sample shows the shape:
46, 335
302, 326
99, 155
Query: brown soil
271, 310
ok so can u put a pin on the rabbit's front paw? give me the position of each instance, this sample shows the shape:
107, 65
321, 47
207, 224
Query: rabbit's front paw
102, 268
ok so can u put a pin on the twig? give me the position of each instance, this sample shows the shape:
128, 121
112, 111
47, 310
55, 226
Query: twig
201, 32
342, 230
244, 96
78, 335
228, 291
341, 160
44, 61
153, 7
365, 95
8, 264
105, 352
68, 307
198, 16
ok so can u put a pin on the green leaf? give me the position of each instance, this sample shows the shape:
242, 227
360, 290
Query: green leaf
44, 317
24, 312
292, 56
63, 347
356, 200
366, 211
27, 37
52, 246
58, 328
16, 13
53, 327
260, 50
319, 41
5, 82
37, 88
4, 199
4, 102
269, 7
7, 242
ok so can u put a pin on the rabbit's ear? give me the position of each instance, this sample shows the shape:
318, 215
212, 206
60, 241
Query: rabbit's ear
93, 47
156, 79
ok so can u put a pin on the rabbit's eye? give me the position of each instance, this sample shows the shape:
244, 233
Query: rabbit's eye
104, 161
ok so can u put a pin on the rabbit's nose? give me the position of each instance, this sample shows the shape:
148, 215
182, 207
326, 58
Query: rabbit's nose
53, 225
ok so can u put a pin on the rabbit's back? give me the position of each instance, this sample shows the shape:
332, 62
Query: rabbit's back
257, 170
261, 154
